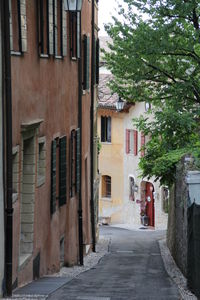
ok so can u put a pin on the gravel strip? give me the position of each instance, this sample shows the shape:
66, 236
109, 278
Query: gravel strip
175, 273
90, 260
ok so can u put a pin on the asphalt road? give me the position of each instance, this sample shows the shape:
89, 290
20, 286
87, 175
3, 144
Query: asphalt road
133, 269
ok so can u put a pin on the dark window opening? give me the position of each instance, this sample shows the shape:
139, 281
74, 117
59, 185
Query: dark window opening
73, 163
16, 25
43, 26
106, 186
86, 62
74, 34
59, 22
106, 129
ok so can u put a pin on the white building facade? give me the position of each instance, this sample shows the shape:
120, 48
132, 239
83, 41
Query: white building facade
142, 197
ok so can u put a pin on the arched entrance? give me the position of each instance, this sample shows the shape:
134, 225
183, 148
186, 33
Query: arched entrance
150, 203
147, 202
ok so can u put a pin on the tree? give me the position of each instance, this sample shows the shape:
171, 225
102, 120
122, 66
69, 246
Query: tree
155, 57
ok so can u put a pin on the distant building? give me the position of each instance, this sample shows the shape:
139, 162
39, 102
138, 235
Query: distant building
53, 222
124, 196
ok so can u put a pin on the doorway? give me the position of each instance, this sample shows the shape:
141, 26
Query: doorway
150, 203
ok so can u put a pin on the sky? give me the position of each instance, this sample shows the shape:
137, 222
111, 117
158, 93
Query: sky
106, 9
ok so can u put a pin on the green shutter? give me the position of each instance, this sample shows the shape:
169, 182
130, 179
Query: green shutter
78, 156
53, 177
72, 164
86, 62
62, 171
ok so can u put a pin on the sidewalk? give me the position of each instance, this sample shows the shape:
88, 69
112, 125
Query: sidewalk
51, 282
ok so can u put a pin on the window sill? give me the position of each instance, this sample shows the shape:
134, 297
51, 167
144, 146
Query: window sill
14, 197
24, 260
106, 143
58, 57
42, 55
106, 199
16, 53
74, 58
40, 181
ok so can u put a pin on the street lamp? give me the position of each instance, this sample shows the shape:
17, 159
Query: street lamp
119, 104
73, 5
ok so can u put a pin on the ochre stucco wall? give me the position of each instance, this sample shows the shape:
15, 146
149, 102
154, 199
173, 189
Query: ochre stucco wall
111, 164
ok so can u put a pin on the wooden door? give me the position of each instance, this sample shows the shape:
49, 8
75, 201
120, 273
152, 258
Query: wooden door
150, 203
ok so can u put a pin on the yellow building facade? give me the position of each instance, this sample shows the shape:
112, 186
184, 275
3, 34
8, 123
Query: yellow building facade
111, 166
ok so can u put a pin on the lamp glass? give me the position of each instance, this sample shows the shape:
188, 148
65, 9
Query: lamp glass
73, 5
119, 104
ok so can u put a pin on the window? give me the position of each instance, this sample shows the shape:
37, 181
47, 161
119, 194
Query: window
131, 141
73, 163
52, 32
58, 172
106, 186
106, 129
74, 29
41, 165
142, 144
43, 26
18, 27
131, 189
15, 172
60, 33
97, 61
86, 63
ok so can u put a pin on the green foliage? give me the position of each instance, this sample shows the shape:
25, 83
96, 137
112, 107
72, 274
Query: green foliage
156, 58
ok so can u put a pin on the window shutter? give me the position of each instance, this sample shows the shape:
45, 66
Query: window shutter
142, 143
97, 61
55, 32
71, 163
103, 129
62, 171
127, 141
135, 142
64, 31
51, 30
23, 25
78, 24
86, 62
109, 129
53, 177
78, 157
11, 30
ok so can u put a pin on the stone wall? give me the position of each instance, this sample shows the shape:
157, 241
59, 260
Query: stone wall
177, 221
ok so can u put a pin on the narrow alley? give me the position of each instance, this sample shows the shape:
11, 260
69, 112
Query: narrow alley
133, 269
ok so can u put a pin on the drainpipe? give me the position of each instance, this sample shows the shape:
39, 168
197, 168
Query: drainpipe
80, 211
8, 148
92, 208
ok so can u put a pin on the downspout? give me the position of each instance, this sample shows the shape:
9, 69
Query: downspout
92, 136
80, 211
8, 149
